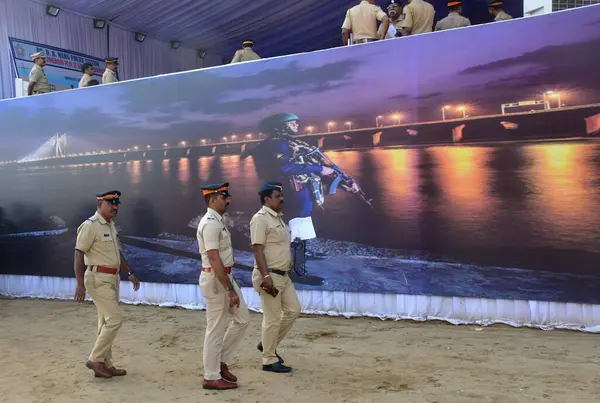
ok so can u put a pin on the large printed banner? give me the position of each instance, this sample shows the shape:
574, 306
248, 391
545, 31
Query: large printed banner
476, 153
63, 67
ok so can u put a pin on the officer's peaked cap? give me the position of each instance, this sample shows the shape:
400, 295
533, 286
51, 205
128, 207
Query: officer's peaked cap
111, 196
271, 186
217, 188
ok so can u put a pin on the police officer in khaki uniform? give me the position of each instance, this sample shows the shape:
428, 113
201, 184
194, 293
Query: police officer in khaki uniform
271, 239
110, 73
418, 18
362, 21
496, 10
98, 249
246, 53
396, 16
220, 291
454, 18
38, 82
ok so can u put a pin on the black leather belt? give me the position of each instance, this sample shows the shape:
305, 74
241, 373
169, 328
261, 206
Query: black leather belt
280, 272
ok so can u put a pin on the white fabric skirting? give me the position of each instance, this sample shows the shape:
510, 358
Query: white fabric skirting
456, 310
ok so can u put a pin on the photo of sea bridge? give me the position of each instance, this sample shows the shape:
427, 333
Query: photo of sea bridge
483, 175
547, 124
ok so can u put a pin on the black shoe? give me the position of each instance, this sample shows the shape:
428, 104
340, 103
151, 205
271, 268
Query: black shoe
277, 367
260, 348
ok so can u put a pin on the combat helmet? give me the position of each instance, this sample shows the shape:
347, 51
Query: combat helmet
277, 124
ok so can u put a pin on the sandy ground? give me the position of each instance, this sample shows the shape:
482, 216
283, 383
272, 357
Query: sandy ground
43, 346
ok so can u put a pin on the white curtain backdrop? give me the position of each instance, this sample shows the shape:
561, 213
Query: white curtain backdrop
456, 310
27, 20
148, 58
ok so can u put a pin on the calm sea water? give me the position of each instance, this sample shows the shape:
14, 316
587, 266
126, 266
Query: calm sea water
528, 205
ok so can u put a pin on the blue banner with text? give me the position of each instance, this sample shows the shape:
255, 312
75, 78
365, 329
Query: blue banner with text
63, 67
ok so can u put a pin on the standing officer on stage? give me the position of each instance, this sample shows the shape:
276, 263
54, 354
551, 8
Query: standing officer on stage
220, 291
246, 53
396, 16
271, 239
418, 17
362, 20
110, 73
38, 81
496, 10
98, 249
454, 18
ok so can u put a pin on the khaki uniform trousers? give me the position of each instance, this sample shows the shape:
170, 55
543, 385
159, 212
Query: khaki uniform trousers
103, 288
219, 345
279, 313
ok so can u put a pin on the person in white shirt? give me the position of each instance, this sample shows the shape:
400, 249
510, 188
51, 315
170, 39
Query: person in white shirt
88, 75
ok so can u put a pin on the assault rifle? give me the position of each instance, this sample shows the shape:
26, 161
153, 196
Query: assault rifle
316, 157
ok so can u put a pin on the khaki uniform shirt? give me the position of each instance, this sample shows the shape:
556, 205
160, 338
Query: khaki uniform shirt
37, 75
109, 76
394, 27
85, 79
244, 55
362, 20
418, 17
268, 229
453, 20
213, 235
98, 240
503, 16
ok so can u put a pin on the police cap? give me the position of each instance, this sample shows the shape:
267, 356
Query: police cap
271, 186
495, 3
110, 196
394, 2
217, 188
248, 42
454, 3
112, 60
37, 55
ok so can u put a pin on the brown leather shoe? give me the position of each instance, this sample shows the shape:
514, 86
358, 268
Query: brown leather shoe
228, 376
99, 369
219, 384
117, 372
